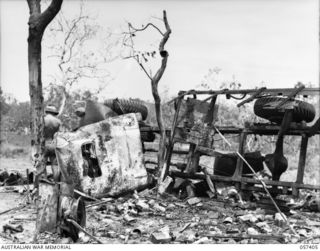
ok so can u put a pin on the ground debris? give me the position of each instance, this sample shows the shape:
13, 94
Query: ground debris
280, 220
163, 187
162, 235
145, 217
248, 217
12, 228
193, 201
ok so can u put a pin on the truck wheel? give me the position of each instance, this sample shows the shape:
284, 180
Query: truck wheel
302, 112
124, 106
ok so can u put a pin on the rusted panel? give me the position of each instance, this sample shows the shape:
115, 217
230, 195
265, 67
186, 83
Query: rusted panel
104, 158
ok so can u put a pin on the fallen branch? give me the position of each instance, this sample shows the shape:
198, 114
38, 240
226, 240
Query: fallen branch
85, 195
209, 181
310, 238
15, 208
100, 203
258, 178
83, 230
185, 227
249, 236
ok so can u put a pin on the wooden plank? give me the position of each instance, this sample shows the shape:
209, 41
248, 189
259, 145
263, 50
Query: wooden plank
189, 157
178, 148
169, 149
239, 165
210, 116
246, 180
248, 236
263, 129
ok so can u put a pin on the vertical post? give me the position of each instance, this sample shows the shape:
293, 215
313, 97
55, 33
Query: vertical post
170, 146
238, 172
302, 162
193, 159
210, 115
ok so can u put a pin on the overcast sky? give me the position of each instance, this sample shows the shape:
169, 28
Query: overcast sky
274, 41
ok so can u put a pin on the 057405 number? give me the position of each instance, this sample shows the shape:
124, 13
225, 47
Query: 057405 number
309, 246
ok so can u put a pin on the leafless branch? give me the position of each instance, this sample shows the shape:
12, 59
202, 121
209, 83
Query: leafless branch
128, 42
46, 17
145, 27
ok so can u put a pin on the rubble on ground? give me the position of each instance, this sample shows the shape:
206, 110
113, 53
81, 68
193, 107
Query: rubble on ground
145, 217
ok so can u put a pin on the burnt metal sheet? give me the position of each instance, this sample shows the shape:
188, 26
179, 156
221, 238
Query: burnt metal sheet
104, 158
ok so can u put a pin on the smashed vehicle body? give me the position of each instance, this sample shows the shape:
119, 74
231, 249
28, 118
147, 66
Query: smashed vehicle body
104, 158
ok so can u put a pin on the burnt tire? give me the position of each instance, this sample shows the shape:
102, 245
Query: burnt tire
302, 112
124, 106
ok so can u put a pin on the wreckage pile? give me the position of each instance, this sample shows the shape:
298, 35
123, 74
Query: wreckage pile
145, 217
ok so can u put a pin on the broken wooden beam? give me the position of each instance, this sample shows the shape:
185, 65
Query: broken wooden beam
12, 209
249, 236
252, 97
75, 224
290, 96
85, 195
201, 176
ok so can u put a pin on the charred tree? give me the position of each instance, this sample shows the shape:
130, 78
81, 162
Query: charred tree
38, 21
154, 79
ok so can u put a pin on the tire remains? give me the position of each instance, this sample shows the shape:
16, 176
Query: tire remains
124, 106
302, 112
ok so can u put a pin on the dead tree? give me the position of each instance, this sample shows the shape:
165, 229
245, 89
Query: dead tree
142, 58
38, 21
69, 50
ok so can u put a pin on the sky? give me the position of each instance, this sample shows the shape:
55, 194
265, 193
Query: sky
253, 41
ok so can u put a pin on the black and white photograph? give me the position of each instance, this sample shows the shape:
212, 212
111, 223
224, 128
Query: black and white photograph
159, 122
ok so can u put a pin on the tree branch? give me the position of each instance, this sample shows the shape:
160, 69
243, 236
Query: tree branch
34, 7
145, 27
52, 10
164, 54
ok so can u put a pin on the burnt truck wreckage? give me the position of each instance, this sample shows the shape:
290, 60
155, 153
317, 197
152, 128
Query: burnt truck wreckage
112, 151
288, 116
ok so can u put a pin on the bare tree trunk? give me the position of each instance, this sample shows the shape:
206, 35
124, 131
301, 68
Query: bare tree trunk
155, 81
37, 23
36, 105
158, 110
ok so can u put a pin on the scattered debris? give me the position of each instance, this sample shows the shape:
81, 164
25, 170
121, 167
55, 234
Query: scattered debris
161, 236
128, 218
248, 217
163, 187
280, 220
75, 224
193, 201
13, 209
12, 228
252, 231
228, 220
203, 240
